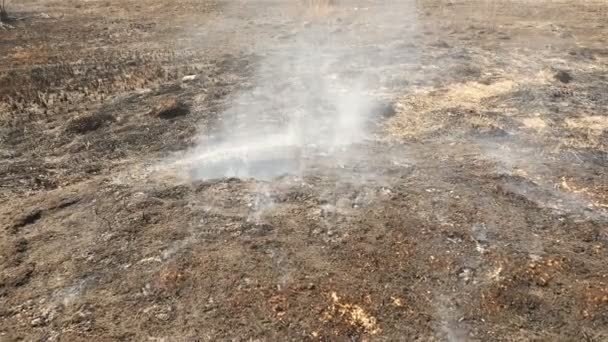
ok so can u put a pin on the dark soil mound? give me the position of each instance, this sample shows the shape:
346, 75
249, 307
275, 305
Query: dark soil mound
89, 123
171, 108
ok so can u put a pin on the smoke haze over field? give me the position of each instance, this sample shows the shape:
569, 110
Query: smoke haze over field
313, 92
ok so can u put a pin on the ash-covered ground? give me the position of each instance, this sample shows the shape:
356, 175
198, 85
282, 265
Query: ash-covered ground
271, 170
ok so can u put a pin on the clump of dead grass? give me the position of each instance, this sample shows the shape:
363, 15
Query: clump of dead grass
352, 314
587, 132
429, 111
534, 123
595, 124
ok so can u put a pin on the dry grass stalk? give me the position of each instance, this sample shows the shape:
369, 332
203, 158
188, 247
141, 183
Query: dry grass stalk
320, 7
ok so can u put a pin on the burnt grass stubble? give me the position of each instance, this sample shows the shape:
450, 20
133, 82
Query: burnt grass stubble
423, 238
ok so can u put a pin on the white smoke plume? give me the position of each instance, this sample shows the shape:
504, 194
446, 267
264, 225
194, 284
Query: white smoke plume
313, 93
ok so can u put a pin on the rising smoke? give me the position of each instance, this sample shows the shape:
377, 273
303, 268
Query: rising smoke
313, 93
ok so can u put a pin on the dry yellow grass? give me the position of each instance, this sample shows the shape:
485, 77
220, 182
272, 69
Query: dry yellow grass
354, 315
594, 124
428, 111
534, 123
598, 196
320, 3
320, 7
586, 133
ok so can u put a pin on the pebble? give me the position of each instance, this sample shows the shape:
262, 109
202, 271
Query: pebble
37, 322
189, 78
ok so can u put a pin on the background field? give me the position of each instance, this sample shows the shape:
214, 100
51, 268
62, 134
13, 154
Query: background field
473, 205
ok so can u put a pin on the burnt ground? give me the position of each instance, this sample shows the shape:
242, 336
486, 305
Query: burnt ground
476, 210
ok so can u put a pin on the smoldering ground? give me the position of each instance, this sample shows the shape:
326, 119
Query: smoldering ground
444, 221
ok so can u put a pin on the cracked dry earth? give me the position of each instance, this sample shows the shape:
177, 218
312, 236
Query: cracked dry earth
476, 207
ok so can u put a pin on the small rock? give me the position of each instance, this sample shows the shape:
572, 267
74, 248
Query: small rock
162, 316
465, 274
189, 78
37, 322
542, 281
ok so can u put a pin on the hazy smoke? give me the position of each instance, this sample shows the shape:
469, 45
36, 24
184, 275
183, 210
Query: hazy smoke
312, 95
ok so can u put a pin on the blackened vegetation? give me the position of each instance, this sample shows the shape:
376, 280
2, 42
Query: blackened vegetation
89, 123
28, 219
170, 109
563, 76
385, 110
3, 13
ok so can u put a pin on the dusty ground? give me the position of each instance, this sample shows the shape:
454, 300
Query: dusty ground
478, 210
